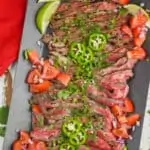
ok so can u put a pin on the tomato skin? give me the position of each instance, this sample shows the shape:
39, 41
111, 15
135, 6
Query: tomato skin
23, 141
49, 72
136, 31
129, 107
33, 57
132, 119
33, 76
41, 146
138, 20
64, 78
138, 41
122, 119
123, 2
17, 145
37, 145
136, 53
24, 137
36, 109
116, 110
121, 133
41, 87
126, 29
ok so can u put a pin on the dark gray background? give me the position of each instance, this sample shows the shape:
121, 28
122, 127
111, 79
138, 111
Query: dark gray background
19, 115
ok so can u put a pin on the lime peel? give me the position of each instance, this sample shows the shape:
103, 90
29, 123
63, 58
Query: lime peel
44, 15
133, 9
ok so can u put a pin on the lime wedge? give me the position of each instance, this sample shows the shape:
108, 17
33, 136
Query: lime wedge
133, 9
44, 15
40, 1
125, 148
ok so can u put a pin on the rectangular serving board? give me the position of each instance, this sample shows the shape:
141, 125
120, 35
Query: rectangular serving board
20, 116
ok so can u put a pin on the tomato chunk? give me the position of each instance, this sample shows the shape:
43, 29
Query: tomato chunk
36, 109
49, 72
116, 110
138, 20
136, 31
24, 137
128, 105
64, 78
121, 133
17, 145
41, 87
32, 56
138, 41
132, 119
37, 145
33, 76
122, 119
136, 53
126, 29
123, 2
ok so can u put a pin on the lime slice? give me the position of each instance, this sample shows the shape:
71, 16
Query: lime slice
40, 1
133, 9
44, 15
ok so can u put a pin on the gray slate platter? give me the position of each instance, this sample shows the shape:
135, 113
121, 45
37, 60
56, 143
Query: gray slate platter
19, 115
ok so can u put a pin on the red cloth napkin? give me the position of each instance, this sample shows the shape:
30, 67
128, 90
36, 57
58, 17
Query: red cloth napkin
12, 14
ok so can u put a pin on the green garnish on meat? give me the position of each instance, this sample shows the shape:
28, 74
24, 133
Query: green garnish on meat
68, 91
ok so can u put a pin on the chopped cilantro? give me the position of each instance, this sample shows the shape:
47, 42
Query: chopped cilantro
122, 11
64, 28
83, 111
79, 21
40, 120
112, 23
65, 93
94, 28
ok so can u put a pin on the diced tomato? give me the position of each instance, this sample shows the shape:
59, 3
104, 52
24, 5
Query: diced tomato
49, 72
37, 145
41, 87
126, 29
41, 146
32, 146
122, 119
125, 126
138, 41
36, 109
33, 76
116, 110
136, 53
123, 2
128, 105
132, 119
17, 145
138, 20
33, 56
24, 137
121, 133
136, 31
64, 78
